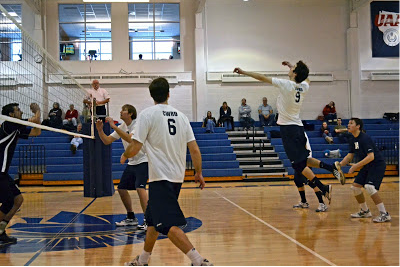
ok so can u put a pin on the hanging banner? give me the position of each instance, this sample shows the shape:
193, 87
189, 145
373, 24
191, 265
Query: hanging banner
385, 28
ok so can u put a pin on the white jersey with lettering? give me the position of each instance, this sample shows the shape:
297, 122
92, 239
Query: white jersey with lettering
166, 132
290, 100
130, 129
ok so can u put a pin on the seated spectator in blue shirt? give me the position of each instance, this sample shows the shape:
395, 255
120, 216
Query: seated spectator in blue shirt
266, 113
245, 115
77, 140
326, 133
225, 118
209, 123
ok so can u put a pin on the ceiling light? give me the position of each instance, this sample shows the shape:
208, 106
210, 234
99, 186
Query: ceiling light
133, 13
12, 14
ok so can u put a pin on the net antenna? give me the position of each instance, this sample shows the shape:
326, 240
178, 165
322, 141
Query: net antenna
29, 74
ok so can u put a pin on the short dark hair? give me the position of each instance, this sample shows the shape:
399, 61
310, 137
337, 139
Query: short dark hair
9, 108
302, 72
159, 89
224, 103
358, 122
131, 109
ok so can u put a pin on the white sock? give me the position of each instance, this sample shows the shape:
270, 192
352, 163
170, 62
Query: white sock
195, 257
144, 257
381, 208
3, 225
364, 206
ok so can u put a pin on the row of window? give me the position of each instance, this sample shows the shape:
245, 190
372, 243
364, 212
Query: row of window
85, 32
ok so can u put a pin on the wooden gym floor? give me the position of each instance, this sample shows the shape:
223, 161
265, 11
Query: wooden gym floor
229, 224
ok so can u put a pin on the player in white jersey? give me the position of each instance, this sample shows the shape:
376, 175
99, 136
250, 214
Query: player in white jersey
136, 172
289, 102
167, 134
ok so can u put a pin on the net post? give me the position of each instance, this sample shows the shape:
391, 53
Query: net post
97, 165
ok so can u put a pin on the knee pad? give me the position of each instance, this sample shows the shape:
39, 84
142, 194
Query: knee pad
356, 190
299, 167
312, 184
163, 229
370, 189
7, 205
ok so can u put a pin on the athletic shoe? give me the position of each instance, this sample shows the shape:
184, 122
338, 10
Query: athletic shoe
322, 207
73, 149
5, 239
362, 214
127, 222
383, 217
328, 194
205, 262
301, 205
135, 262
143, 226
338, 173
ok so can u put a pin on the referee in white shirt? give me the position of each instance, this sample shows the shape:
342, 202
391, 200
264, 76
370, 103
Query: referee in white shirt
289, 102
102, 98
167, 133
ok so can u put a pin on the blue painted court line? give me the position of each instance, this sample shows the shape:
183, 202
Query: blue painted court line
62, 230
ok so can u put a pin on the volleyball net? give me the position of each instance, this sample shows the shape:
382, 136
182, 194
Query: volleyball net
29, 74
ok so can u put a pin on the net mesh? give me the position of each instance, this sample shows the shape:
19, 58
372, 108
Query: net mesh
29, 74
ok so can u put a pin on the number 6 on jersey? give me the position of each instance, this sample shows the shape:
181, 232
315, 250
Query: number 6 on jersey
171, 127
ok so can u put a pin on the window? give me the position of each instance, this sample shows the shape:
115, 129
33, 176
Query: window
85, 31
10, 34
154, 31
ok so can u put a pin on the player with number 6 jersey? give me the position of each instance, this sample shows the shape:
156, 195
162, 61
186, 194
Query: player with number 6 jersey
289, 102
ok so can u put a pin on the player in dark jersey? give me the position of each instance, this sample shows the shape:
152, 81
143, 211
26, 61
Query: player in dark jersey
10, 196
372, 168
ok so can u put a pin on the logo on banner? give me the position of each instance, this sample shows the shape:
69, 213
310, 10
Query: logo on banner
388, 23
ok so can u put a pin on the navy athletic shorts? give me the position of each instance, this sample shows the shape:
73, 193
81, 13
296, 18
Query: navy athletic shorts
163, 210
8, 188
294, 141
371, 175
134, 176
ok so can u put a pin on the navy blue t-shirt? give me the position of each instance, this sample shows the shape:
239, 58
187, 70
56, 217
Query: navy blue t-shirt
9, 134
362, 145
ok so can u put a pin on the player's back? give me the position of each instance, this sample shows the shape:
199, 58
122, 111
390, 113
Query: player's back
168, 132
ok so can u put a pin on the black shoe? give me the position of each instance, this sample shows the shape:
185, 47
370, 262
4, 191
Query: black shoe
73, 149
5, 239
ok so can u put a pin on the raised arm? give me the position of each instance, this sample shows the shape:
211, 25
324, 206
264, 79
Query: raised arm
124, 135
255, 75
35, 119
105, 138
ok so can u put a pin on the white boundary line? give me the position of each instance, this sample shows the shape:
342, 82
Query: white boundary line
278, 231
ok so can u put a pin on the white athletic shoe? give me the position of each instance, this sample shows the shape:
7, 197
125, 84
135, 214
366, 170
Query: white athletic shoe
362, 214
143, 226
383, 217
322, 207
135, 262
205, 262
338, 173
301, 205
127, 222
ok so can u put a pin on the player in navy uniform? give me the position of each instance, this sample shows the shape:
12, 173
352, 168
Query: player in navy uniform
289, 102
372, 168
167, 134
10, 196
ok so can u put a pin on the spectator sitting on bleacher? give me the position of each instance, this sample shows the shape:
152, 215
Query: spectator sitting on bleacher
266, 113
330, 112
209, 123
225, 118
325, 133
342, 132
71, 117
77, 140
54, 119
245, 115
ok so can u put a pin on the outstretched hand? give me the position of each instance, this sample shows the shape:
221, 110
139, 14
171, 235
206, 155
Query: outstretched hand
110, 121
99, 125
238, 71
287, 63
34, 107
